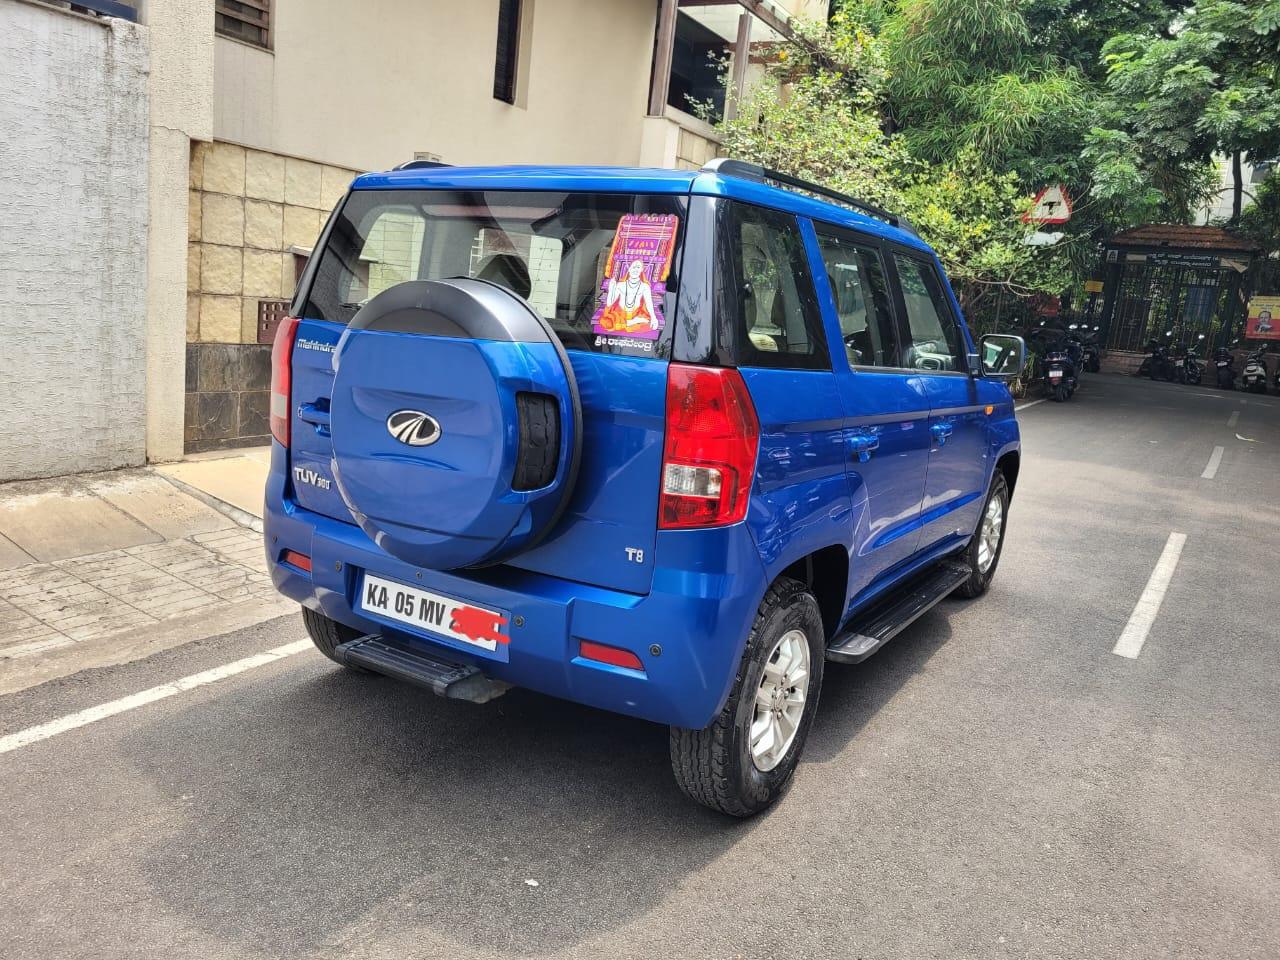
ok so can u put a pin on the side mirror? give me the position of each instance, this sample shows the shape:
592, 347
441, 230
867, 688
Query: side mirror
1003, 355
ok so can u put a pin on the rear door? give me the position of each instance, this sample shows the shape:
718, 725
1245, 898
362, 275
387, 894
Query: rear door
557, 250
886, 407
780, 346
935, 346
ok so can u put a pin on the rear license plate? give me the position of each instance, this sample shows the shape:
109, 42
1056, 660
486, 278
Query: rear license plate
1222, 363
455, 619
1179, 363
1055, 374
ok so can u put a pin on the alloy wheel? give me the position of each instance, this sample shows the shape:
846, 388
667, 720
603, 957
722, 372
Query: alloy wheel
780, 700
989, 534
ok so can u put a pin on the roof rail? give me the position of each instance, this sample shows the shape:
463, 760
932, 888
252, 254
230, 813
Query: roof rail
421, 165
743, 170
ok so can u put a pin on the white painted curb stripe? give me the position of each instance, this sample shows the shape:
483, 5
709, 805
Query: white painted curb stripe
1211, 468
1144, 614
44, 731
1234, 418
1031, 404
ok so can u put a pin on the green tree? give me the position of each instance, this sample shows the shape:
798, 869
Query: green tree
1210, 88
821, 117
970, 73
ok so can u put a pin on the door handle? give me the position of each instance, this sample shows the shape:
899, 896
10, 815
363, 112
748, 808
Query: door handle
941, 431
313, 414
862, 444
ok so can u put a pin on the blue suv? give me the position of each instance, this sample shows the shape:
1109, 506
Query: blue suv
660, 442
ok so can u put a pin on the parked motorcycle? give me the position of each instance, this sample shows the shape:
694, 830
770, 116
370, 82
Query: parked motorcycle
1254, 377
1224, 363
1092, 352
1188, 367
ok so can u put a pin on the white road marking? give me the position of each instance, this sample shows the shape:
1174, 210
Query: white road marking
1031, 404
44, 731
1144, 614
1211, 468
1234, 418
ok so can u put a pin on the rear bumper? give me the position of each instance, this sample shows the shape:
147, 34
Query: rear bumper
706, 588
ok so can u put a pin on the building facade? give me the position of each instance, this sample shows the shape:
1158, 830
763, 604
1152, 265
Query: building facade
258, 113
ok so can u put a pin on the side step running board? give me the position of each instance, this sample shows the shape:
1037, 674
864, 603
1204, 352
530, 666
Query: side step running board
880, 623
458, 681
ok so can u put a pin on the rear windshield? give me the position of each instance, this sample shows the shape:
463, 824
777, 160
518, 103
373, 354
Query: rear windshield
602, 268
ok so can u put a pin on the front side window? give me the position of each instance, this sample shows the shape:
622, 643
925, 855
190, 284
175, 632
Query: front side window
935, 341
856, 278
603, 269
777, 319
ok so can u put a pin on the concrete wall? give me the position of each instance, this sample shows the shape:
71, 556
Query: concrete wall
181, 92
73, 241
405, 77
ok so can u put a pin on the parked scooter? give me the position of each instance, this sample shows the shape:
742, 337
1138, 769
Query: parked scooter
1059, 369
1224, 362
1254, 377
1157, 364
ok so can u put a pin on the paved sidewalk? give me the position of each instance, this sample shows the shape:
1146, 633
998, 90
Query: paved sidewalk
99, 568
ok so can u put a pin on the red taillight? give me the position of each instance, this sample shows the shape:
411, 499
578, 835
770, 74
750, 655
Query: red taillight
299, 560
710, 453
602, 653
282, 378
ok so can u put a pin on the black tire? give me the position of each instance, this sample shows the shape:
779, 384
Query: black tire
1060, 393
979, 580
326, 634
714, 766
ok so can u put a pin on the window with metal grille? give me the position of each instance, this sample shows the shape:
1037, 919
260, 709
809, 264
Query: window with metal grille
504, 70
247, 20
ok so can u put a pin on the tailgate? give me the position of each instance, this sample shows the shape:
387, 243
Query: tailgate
606, 536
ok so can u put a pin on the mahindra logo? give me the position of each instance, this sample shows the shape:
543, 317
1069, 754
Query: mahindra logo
413, 427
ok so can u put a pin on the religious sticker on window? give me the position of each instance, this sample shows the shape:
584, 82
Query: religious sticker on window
635, 277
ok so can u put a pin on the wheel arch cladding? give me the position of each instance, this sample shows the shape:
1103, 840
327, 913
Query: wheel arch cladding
825, 573
1009, 465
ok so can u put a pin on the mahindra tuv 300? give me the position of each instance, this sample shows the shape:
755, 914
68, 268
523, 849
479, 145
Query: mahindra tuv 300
660, 442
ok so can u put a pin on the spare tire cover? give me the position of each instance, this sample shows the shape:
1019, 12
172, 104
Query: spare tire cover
455, 421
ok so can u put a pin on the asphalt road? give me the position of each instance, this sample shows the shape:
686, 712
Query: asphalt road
995, 783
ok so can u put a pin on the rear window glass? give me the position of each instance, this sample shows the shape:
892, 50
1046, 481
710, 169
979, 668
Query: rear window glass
601, 268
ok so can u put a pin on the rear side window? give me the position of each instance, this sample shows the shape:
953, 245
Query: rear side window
858, 289
603, 269
776, 313
934, 341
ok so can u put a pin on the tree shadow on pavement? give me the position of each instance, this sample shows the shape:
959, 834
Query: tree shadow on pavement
336, 803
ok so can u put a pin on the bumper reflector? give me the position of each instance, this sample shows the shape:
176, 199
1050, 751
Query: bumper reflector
611, 655
299, 560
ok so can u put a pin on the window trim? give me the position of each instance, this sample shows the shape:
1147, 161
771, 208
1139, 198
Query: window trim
264, 23
893, 251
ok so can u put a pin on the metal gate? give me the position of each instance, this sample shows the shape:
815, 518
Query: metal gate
1169, 303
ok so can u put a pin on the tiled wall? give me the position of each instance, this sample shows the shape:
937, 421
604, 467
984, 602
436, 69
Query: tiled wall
249, 212
227, 389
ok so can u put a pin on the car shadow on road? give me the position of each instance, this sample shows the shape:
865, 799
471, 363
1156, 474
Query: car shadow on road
338, 803
853, 694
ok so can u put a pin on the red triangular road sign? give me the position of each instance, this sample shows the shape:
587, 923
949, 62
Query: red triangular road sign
1052, 205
